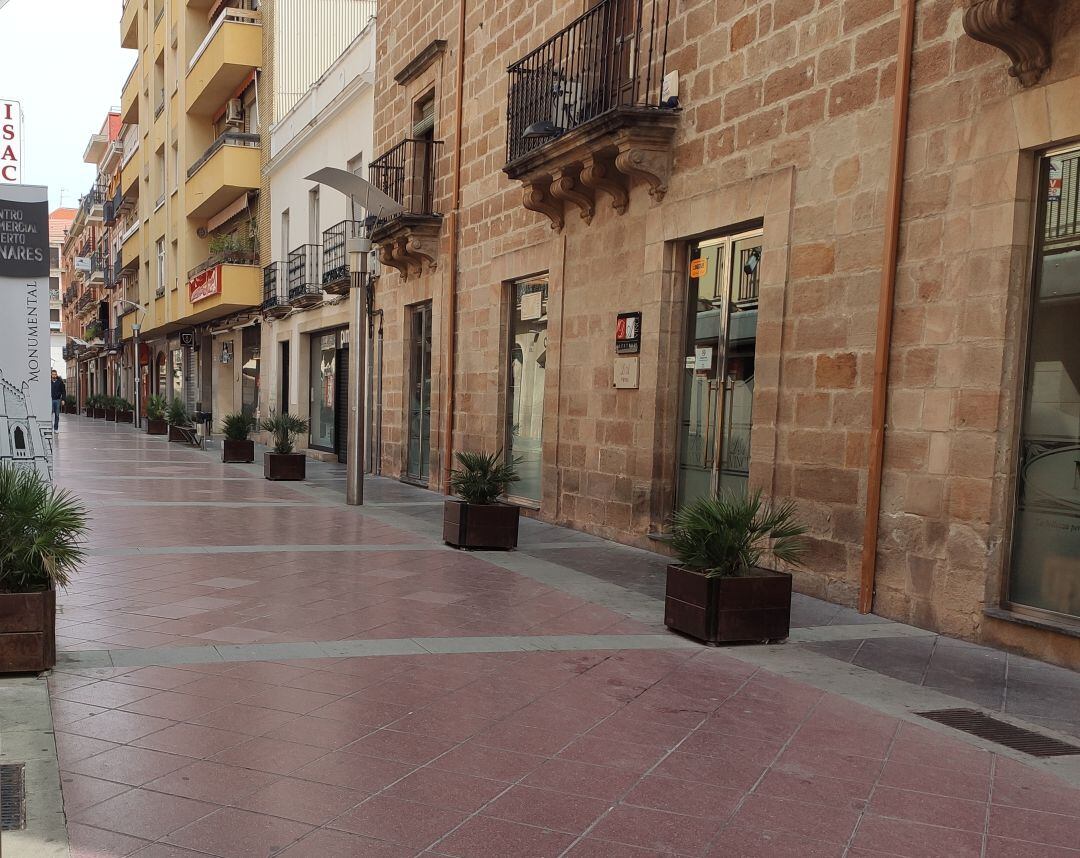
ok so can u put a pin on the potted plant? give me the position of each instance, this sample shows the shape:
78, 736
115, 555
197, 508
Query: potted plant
109, 404
95, 406
718, 592
283, 463
125, 411
41, 527
178, 419
480, 519
155, 415
70, 404
238, 447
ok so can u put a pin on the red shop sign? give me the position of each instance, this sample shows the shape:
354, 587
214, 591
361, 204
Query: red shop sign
205, 285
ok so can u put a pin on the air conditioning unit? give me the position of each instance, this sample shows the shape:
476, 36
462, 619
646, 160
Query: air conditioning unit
234, 113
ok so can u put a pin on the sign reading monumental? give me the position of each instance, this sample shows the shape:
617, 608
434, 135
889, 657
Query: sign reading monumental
25, 422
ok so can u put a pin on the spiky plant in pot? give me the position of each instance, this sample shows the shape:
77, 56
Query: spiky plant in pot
479, 520
482, 478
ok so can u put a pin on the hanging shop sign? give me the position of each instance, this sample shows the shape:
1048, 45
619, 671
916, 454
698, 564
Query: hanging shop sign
628, 334
699, 267
10, 141
205, 285
82, 263
187, 339
24, 327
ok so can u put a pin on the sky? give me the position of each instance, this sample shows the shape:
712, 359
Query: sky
62, 59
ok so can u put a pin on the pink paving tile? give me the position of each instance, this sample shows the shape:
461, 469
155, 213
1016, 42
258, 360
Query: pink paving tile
1019, 785
81, 791
692, 799
366, 774
295, 700
631, 756
739, 842
484, 837
269, 755
655, 829
191, 740
604, 782
547, 809
1052, 829
732, 772
590, 847
163, 850
815, 789
529, 740
211, 782
65, 712
71, 748
442, 724
88, 842
319, 732
396, 745
108, 694
915, 840
302, 801
829, 762
244, 718
813, 821
234, 635
325, 843
931, 809
917, 745
234, 833
171, 705
999, 847
126, 765
221, 688
402, 822
116, 726
141, 813
945, 782
494, 763
446, 789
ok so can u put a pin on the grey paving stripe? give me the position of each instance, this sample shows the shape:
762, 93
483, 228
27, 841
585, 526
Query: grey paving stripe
857, 632
80, 659
209, 503
150, 550
156, 478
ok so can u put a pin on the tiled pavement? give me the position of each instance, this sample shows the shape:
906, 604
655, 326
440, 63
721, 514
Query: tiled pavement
193, 716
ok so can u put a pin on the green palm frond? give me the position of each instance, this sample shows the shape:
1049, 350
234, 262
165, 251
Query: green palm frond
177, 414
483, 477
284, 428
728, 533
155, 407
237, 426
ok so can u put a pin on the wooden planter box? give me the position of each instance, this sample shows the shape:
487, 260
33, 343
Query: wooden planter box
110, 414
754, 607
467, 525
125, 416
157, 427
237, 451
284, 466
99, 413
28, 639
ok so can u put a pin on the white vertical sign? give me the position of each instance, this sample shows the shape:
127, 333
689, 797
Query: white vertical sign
10, 142
25, 408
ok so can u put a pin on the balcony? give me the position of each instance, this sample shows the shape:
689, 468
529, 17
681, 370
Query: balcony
275, 303
223, 288
305, 282
588, 111
130, 246
336, 278
230, 167
129, 20
92, 205
129, 96
408, 175
231, 51
129, 179
96, 274
113, 339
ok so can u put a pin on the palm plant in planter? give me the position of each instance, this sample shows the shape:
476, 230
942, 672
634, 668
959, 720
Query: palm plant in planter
109, 403
71, 404
95, 405
178, 419
40, 531
125, 411
238, 447
718, 593
479, 519
155, 415
283, 463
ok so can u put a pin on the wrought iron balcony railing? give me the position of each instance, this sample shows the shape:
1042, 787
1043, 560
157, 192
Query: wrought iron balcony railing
305, 283
614, 55
275, 289
407, 175
335, 257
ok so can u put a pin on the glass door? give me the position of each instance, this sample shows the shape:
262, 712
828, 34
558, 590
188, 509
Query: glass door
323, 390
1045, 574
718, 371
419, 450
525, 399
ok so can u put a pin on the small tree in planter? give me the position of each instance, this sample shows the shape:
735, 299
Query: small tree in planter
71, 404
40, 531
238, 447
125, 411
109, 403
718, 593
155, 415
178, 419
479, 519
95, 405
283, 463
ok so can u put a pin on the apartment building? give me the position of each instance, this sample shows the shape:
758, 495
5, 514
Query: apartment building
60, 221
652, 250
307, 281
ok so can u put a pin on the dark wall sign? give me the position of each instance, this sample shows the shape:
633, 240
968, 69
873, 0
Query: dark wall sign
628, 334
24, 234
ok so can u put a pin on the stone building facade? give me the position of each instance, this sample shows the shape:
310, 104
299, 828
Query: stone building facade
740, 203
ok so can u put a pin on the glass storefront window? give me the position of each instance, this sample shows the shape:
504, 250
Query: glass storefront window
251, 344
525, 400
419, 455
1046, 529
323, 390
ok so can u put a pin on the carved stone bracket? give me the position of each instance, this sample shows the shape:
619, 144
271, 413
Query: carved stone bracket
1015, 27
606, 154
407, 243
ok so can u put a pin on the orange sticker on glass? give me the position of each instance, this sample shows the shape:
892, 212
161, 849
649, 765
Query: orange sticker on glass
698, 267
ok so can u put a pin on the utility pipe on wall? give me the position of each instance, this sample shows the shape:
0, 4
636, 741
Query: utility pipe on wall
886, 302
450, 328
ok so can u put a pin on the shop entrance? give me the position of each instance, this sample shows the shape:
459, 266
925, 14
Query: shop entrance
341, 405
718, 370
419, 450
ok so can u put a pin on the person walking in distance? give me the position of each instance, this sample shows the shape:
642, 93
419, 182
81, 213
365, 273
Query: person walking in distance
59, 391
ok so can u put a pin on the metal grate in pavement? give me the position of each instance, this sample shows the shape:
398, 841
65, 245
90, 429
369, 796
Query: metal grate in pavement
12, 797
979, 724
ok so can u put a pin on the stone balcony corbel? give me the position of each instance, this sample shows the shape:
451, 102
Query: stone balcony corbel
610, 153
1020, 28
409, 241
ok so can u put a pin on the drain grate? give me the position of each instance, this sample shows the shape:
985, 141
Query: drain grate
979, 724
12, 797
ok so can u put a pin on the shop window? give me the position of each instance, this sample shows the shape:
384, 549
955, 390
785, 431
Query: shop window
525, 392
419, 448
